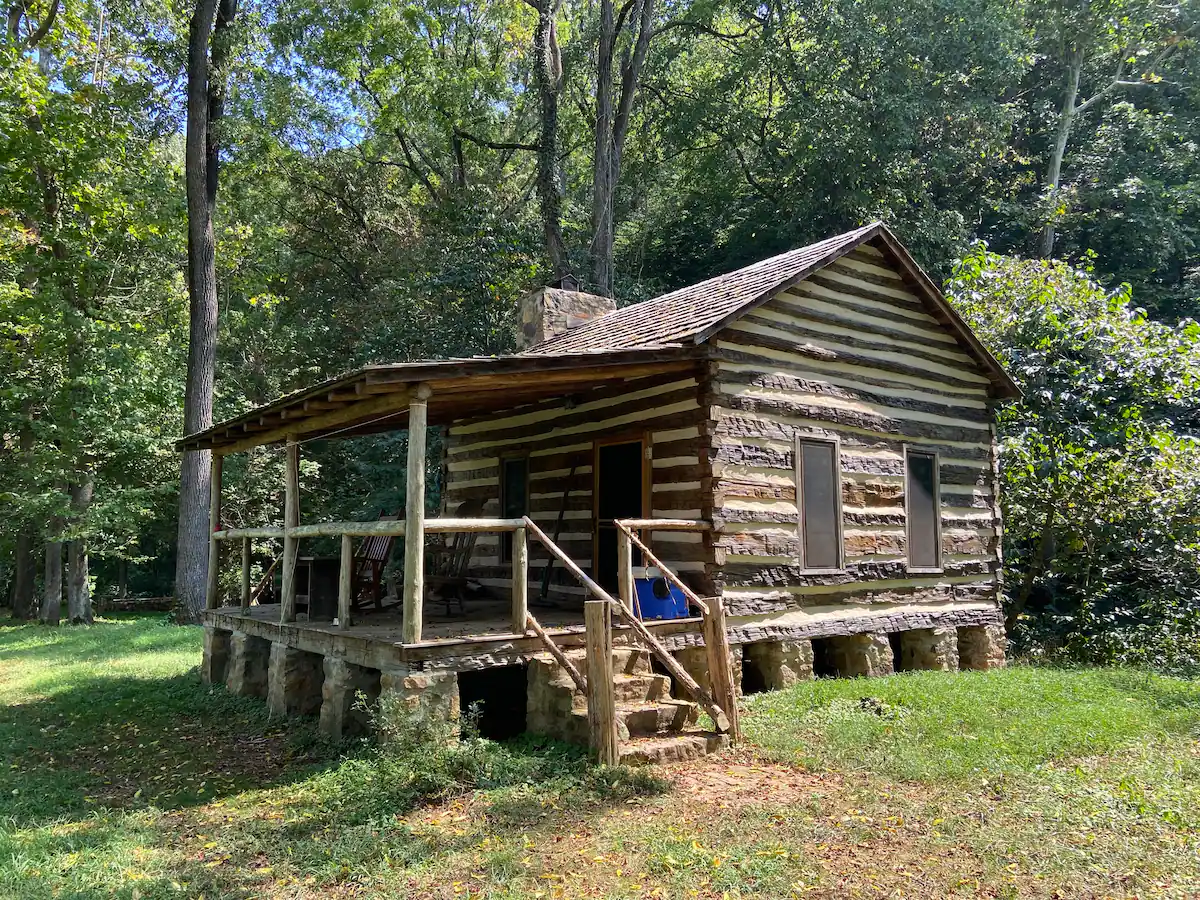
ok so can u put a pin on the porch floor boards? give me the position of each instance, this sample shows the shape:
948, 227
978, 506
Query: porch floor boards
482, 619
480, 638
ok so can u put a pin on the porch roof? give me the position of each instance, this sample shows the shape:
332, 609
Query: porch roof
376, 398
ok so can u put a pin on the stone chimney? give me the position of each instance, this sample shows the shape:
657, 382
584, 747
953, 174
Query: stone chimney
555, 308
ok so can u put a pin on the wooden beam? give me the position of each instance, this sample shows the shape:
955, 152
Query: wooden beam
720, 671
345, 582
214, 525
625, 589
670, 663
245, 574
291, 519
665, 524
364, 409
602, 716
520, 580
414, 518
556, 651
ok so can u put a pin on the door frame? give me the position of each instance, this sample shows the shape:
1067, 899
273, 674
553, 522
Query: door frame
630, 436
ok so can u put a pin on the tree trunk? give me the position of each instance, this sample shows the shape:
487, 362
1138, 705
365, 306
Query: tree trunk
611, 129
205, 102
79, 595
23, 566
547, 70
603, 188
52, 589
1066, 118
22, 592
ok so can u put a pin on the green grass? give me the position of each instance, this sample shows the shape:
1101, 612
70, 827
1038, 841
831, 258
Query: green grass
930, 727
121, 775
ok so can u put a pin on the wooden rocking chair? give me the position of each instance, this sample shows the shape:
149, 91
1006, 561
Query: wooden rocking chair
446, 564
370, 558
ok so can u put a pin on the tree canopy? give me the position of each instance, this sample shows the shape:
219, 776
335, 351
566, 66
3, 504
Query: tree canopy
394, 175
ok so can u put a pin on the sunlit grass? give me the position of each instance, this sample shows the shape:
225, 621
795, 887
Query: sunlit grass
121, 775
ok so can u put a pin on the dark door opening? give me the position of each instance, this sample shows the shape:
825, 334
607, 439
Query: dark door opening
620, 494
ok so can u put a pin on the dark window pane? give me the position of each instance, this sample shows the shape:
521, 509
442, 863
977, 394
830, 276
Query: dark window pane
819, 484
515, 493
921, 485
514, 498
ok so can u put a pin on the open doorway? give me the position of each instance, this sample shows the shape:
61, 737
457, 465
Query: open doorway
621, 493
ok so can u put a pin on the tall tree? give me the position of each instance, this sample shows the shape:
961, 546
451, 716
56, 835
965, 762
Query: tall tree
207, 61
612, 123
1118, 44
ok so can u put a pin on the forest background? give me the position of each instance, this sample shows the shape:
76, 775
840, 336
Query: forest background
393, 175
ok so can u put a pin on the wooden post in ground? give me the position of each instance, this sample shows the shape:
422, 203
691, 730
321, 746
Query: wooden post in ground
625, 590
291, 518
602, 714
214, 524
520, 580
720, 669
414, 519
345, 582
245, 575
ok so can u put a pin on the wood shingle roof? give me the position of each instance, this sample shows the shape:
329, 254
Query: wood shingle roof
686, 315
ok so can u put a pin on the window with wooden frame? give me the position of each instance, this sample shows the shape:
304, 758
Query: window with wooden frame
514, 497
819, 501
923, 522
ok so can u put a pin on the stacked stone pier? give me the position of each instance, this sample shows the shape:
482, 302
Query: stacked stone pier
300, 672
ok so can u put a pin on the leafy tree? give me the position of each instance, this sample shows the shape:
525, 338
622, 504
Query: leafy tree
1102, 545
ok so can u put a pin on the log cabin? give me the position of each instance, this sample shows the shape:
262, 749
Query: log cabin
798, 458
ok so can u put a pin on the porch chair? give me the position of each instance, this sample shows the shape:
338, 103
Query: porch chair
370, 557
447, 562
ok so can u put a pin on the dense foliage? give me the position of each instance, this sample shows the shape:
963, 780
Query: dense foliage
391, 182
1100, 463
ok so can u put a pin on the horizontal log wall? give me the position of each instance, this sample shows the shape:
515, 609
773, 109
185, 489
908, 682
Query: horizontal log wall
853, 353
556, 438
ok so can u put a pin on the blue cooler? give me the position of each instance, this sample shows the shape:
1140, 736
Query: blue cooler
656, 597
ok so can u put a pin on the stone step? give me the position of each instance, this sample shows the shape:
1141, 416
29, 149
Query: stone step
630, 689
648, 751
643, 719
626, 660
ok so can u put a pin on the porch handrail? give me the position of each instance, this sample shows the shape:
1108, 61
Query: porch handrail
716, 639
719, 717
627, 530
368, 529
556, 651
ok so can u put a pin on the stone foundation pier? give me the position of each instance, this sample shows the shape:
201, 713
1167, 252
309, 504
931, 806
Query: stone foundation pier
214, 664
249, 664
341, 713
982, 647
929, 648
294, 681
780, 664
867, 654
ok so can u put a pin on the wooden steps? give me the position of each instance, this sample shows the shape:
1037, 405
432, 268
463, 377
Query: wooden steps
652, 726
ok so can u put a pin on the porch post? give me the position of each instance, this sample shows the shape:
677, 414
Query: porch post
625, 571
520, 581
246, 575
291, 519
214, 522
414, 519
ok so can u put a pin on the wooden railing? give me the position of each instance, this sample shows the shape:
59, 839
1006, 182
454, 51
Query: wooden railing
723, 714
389, 528
720, 703
712, 609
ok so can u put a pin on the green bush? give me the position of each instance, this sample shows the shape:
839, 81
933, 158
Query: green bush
1100, 471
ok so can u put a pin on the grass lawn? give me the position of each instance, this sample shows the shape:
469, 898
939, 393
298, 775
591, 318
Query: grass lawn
123, 776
